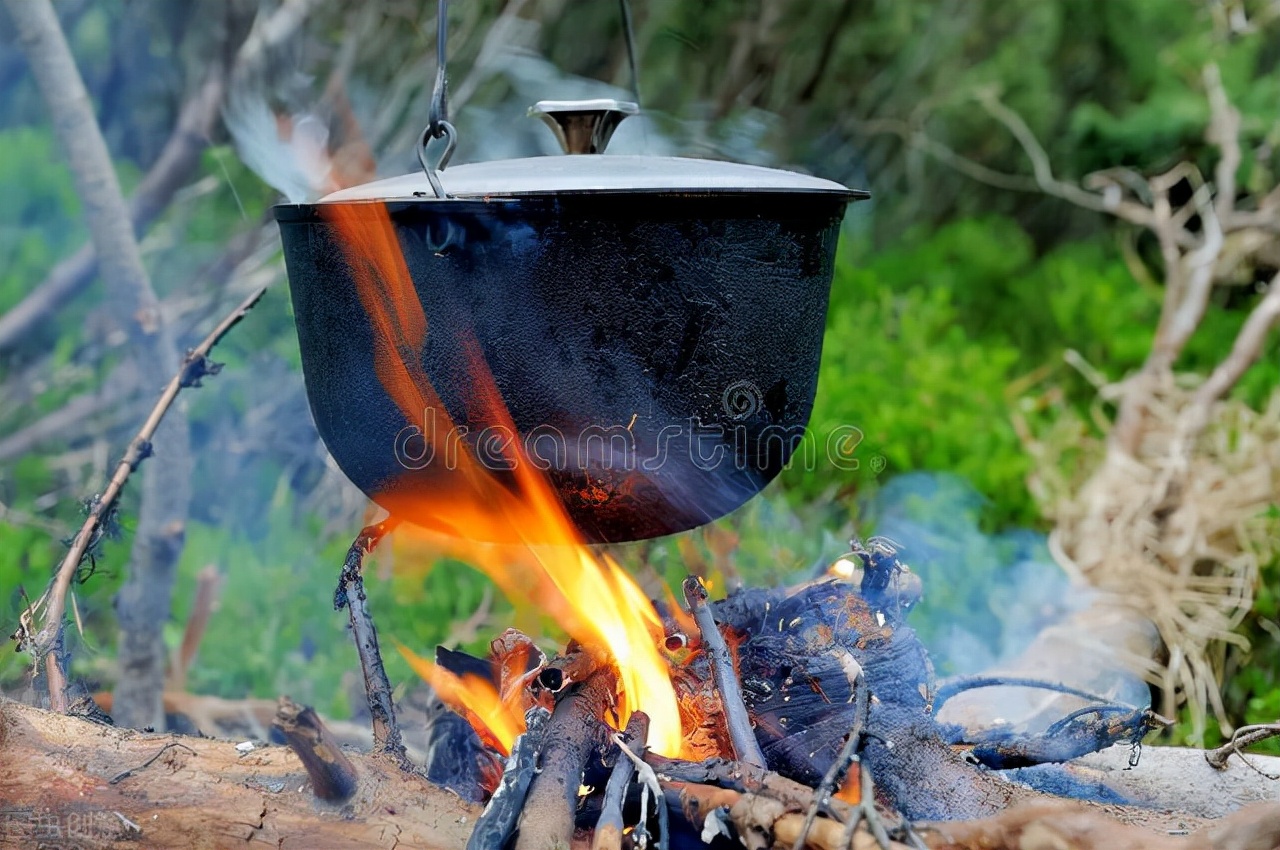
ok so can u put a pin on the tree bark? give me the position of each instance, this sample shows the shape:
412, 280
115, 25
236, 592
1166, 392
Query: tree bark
175, 165
143, 602
67, 782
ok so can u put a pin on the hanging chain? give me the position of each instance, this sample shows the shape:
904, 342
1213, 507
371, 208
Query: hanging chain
438, 125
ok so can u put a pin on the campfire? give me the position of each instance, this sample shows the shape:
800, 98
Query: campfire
657, 322
788, 717
796, 716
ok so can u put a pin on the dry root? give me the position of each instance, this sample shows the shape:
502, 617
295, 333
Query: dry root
1178, 529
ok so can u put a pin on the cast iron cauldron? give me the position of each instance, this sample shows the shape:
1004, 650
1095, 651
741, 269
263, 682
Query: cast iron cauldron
653, 325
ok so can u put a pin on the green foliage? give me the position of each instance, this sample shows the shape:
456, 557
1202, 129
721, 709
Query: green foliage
39, 200
925, 339
275, 630
27, 558
952, 299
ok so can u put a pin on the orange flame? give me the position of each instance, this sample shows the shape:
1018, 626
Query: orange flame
481, 706
589, 595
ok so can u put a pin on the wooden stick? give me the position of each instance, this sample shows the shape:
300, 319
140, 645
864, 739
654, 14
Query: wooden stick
1245, 736
740, 777
770, 821
53, 602
333, 777
743, 737
608, 834
572, 733
377, 687
497, 823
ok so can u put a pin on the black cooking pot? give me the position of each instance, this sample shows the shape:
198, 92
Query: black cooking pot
652, 324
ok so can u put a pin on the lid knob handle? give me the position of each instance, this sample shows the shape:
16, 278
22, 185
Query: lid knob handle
583, 126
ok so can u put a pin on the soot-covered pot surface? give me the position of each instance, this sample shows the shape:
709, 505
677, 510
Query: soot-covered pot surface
652, 325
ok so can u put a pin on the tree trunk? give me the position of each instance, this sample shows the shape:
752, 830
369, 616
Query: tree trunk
143, 603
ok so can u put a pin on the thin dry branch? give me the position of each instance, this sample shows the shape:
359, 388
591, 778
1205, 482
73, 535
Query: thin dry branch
387, 739
1224, 132
608, 834
743, 736
53, 602
1245, 736
1245, 351
142, 604
1043, 169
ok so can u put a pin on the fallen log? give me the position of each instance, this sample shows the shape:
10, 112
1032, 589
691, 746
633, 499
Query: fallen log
56, 785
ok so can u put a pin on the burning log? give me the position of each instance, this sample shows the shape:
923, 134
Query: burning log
574, 731
333, 778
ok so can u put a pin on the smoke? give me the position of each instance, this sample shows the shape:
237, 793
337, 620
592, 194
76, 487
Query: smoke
289, 153
986, 595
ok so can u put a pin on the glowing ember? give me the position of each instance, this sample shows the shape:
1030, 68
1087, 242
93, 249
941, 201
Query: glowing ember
547, 565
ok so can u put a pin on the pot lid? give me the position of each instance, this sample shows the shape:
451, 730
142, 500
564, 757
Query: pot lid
560, 175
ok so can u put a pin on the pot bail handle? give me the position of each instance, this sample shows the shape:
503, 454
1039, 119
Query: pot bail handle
438, 125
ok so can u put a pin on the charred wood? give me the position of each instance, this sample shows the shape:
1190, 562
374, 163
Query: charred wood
498, 822
576, 665
455, 758
575, 731
724, 674
608, 834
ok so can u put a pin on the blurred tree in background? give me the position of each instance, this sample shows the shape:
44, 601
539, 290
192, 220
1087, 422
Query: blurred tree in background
959, 287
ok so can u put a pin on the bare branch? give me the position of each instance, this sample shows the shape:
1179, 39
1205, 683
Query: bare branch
53, 602
1199, 264
1244, 353
178, 160
918, 139
1223, 131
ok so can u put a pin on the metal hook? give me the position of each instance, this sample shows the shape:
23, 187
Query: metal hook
433, 173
